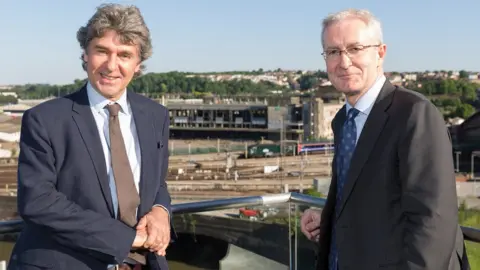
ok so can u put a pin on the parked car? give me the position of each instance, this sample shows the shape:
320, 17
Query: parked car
257, 212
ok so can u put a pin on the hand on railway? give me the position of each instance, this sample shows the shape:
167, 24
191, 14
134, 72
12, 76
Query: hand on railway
156, 226
310, 224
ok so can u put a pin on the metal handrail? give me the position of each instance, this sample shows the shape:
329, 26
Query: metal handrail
212, 205
15, 226
11, 226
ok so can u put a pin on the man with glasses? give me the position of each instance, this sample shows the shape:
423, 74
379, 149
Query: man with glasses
392, 202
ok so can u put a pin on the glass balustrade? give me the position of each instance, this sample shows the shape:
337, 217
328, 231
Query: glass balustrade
257, 232
239, 237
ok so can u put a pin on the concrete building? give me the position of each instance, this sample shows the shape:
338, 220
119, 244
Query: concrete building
317, 124
273, 117
296, 119
233, 121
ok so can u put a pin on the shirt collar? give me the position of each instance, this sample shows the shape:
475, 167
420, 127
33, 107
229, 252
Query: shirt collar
99, 102
365, 102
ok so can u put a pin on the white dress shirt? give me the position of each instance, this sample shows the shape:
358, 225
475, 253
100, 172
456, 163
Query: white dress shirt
129, 133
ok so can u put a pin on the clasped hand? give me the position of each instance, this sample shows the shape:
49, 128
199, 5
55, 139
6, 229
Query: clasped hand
310, 224
153, 231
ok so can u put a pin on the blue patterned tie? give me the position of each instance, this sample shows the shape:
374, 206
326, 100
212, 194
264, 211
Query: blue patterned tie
345, 151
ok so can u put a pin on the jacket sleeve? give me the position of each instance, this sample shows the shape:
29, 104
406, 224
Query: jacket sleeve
429, 199
162, 198
41, 204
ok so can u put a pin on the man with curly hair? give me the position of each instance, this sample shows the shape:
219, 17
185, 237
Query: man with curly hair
92, 164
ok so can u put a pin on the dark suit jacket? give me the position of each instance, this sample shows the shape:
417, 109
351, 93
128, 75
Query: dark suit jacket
63, 189
399, 208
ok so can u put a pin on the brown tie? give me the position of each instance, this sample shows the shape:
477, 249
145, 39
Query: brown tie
128, 198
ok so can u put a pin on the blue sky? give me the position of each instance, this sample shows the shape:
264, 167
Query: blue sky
39, 37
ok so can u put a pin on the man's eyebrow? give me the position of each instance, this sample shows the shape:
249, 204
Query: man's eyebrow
120, 51
100, 47
348, 45
125, 52
354, 44
332, 48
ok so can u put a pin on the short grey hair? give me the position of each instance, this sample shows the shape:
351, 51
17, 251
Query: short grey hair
126, 21
371, 21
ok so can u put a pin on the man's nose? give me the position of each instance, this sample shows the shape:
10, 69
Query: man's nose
112, 63
345, 61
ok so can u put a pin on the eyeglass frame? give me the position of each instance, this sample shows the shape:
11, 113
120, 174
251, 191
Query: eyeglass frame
363, 48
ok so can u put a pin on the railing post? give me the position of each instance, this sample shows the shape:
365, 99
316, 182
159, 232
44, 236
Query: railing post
472, 162
290, 250
472, 157
457, 154
296, 236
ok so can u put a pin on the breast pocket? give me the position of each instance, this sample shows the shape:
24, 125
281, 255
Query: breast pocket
160, 149
161, 156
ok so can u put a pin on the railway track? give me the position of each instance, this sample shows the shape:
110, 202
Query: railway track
213, 167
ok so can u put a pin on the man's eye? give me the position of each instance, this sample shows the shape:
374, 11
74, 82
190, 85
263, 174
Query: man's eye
355, 49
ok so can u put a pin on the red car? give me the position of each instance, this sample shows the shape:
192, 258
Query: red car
257, 212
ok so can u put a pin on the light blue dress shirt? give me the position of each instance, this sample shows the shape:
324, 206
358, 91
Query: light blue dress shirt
365, 104
129, 133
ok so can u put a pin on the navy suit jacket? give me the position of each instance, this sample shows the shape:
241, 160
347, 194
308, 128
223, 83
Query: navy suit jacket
63, 189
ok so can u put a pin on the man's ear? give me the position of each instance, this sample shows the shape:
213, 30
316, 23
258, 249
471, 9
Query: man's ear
84, 55
381, 53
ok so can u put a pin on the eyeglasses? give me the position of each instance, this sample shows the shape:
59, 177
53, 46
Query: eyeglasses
351, 52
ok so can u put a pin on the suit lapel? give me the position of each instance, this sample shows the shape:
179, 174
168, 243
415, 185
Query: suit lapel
146, 138
337, 132
338, 125
371, 131
337, 128
83, 117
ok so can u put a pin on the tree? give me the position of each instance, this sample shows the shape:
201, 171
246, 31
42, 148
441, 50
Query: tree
307, 81
468, 91
464, 110
155, 84
463, 74
447, 86
429, 88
